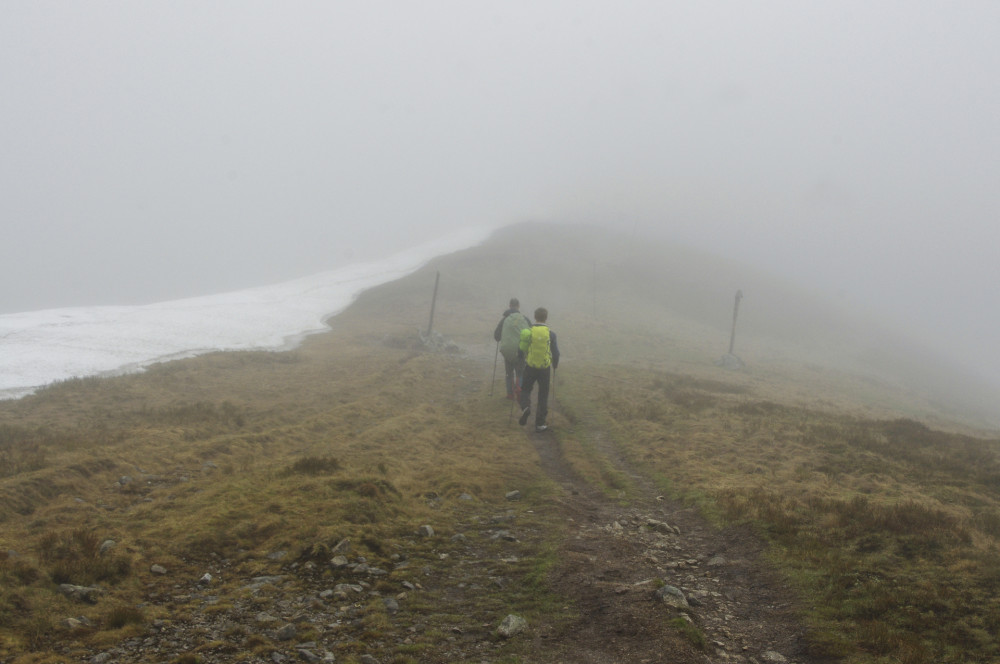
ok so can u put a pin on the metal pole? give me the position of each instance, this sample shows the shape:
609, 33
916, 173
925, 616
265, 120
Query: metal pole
736, 310
430, 324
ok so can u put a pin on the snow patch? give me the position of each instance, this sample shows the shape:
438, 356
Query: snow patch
41, 347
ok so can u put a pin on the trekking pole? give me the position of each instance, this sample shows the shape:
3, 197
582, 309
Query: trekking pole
494, 380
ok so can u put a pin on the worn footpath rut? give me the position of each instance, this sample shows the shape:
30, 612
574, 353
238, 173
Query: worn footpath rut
620, 554
654, 582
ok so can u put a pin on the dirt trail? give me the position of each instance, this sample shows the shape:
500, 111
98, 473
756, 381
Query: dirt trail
616, 558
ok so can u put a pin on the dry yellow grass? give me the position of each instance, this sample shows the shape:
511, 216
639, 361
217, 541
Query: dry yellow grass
235, 456
888, 527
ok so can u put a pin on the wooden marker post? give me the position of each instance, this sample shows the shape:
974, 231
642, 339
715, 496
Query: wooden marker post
736, 311
430, 324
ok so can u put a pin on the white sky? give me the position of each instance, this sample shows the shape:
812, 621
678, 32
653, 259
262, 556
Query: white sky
154, 150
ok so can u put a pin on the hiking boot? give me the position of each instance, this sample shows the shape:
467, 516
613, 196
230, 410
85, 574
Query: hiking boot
541, 428
524, 416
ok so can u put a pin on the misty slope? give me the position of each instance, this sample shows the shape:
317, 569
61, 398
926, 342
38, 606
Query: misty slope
679, 302
364, 434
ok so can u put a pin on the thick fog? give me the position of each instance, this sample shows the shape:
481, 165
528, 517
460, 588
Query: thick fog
158, 150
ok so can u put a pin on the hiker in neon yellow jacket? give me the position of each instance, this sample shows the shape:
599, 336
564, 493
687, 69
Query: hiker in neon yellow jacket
540, 350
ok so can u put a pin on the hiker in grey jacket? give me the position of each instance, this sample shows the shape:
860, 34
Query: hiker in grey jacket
508, 334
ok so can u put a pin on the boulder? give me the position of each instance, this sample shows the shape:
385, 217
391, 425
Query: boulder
88, 594
511, 626
672, 596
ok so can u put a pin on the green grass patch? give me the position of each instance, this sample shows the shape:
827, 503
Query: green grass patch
690, 632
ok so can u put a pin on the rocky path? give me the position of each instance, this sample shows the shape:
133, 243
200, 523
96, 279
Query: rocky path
655, 583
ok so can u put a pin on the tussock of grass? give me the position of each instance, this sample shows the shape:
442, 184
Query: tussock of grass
224, 415
21, 450
690, 632
314, 466
119, 616
75, 558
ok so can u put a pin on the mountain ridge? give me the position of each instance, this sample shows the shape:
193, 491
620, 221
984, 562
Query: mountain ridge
368, 497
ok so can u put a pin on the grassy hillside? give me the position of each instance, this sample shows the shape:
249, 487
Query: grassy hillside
879, 502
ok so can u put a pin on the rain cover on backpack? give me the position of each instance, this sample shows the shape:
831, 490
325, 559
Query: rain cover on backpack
537, 352
510, 337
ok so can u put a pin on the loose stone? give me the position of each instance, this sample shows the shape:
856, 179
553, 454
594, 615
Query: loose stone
512, 625
672, 596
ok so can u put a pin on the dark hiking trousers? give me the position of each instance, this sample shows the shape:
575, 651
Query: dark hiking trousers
531, 376
514, 372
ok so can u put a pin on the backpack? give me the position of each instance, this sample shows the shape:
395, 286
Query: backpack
535, 343
510, 336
